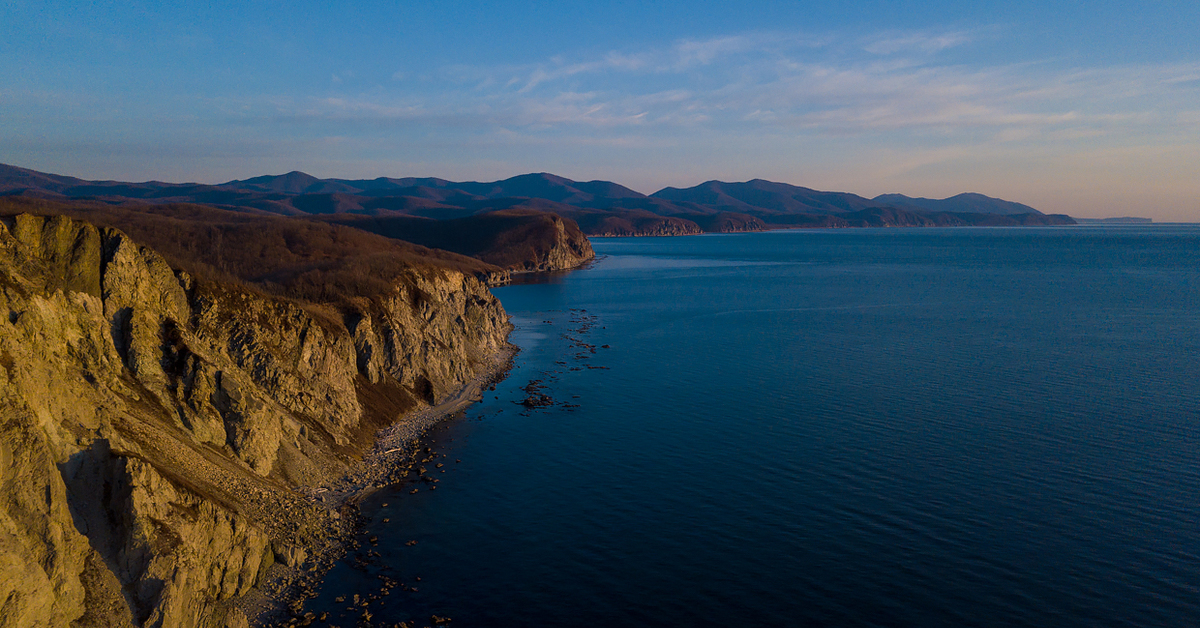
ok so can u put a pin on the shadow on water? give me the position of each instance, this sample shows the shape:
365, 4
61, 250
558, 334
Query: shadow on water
551, 277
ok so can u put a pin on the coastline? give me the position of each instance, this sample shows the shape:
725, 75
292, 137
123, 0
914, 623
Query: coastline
518, 277
279, 598
541, 520
827, 227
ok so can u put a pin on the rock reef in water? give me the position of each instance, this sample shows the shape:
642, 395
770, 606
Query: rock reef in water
154, 426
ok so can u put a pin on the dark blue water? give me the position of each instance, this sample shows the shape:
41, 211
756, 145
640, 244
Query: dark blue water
937, 427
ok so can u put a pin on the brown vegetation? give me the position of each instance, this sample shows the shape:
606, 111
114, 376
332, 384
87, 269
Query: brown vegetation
511, 239
599, 207
302, 259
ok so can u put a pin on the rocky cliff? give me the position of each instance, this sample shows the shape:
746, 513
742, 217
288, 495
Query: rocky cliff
636, 224
514, 240
155, 428
566, 247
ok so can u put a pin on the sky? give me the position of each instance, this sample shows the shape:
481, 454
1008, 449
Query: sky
1085, 108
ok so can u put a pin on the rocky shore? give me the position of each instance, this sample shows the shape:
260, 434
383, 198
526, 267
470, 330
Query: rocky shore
278, 600
176, 451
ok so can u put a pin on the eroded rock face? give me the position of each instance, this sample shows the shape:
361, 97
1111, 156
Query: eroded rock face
570, 248
152, 429
657, 226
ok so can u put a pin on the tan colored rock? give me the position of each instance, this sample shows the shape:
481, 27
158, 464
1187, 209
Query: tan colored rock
153, 429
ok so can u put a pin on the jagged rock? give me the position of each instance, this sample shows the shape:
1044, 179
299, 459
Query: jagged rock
569, 248
153, 427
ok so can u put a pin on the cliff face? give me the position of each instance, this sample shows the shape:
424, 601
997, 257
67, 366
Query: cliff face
153, 427
514, 239
726, 222
567, 247
607, 226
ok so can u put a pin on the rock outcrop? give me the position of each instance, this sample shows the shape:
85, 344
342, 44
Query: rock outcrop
517, 240
607, 226
154, 428
566, 247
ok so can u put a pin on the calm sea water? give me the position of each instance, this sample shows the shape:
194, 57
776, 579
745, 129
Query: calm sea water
932, 427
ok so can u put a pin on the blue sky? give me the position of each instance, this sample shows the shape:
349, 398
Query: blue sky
1087, 108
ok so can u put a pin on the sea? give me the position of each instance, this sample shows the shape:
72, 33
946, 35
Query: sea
855, 427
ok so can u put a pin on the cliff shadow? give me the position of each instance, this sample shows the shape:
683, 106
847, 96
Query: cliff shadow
98, 487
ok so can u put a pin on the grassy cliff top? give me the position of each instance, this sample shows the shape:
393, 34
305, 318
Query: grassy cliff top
303, 259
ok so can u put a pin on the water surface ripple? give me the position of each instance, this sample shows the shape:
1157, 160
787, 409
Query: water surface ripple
939, 427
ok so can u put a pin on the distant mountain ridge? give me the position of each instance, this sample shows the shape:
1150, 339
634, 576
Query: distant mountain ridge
600, 207
768, 196
969, 203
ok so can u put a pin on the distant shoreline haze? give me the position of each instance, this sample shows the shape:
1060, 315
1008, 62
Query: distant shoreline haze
1116, 220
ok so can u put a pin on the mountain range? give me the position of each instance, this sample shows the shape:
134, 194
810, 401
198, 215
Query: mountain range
599, 207
193, 377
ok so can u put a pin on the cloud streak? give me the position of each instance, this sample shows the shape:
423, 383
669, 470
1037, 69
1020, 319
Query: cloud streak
881, 108
921, 42
895, 82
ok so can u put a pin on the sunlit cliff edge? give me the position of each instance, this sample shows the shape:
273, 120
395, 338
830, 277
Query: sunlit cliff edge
154, 426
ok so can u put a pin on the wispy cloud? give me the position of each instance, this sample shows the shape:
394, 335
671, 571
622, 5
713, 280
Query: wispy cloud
784, 82
691, 52
613, 61
893, 105
923, 42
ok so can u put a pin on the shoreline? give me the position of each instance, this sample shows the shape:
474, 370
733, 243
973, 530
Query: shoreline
519, 277
279, 598
773, 228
